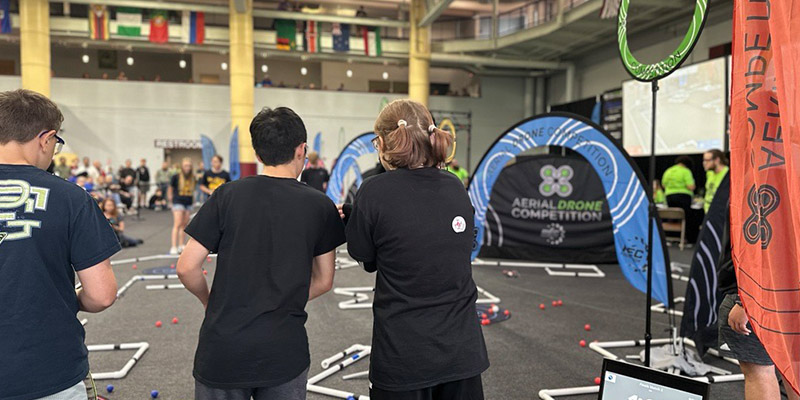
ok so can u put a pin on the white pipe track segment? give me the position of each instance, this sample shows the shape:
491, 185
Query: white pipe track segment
338, 356
600, 347
351, 355
357, 375
362, 301
345, 263
149, 258
84, 322
552, 269
662, 308
165, 287
137, 278
140, 348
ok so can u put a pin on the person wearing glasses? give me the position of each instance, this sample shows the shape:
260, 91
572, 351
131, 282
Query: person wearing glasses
276, 238
50, 229
716, 165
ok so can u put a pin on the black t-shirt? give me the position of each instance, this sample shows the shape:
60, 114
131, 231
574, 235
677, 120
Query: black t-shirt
55, 228
213, 180
315, 177
182, 194
267, 232
143, 174
417, 226
726, 271
126, 172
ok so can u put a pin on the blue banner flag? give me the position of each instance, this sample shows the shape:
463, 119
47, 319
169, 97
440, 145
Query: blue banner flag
318, 143
208, 150
5, 16
233, 155
346, 161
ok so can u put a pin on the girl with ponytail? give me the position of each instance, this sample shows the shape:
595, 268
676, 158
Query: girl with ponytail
414, 226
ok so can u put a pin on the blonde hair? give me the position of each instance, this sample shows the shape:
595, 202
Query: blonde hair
410, 138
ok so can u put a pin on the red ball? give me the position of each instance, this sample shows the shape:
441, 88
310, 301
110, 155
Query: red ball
582, 343
506, 312
597, 380
484, 322
208, 259
541, 306
587, 327
205, 272
560, 303
134, 266
483, 316
175, 320
555, 303
158, 324
172, 266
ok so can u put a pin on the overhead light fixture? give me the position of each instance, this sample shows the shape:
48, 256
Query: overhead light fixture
349, 73
264, 68
224, 66
385, 75
303, 71
129, 60
85, 58
182, 63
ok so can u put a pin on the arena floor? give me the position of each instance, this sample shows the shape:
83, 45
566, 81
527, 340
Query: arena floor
533, 350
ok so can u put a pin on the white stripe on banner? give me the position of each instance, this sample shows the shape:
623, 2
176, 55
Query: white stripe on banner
713, 293
625, 195
641, 198
499, 226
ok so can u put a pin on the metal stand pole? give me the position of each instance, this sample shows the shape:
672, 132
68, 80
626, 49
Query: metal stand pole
650, 226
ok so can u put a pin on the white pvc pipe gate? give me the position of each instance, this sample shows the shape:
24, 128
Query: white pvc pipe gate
361, 300
552, 269
140, 348
351, 355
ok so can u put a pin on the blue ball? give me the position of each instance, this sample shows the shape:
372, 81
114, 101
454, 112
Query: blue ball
351, 398
110, 388
154, 394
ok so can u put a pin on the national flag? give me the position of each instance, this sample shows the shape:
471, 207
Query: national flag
703, 299
287, 34
765, 181
341, 37
193, 27
129, 21
372, 41
610, 9
311, 37
98, 22
159, 27
5, 16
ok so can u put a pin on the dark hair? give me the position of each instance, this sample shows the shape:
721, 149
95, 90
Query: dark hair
24, 114
718, 154
685, 160
413, 143
218, 157
276, 133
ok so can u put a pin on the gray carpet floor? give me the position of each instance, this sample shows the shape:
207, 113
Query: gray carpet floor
535, 349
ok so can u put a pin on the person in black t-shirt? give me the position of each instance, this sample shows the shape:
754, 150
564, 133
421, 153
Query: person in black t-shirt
315, 175
414, 225
142, 182
276, 240
180, 195
215, 177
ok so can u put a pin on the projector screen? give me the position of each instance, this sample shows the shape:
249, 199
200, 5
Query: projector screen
691, 111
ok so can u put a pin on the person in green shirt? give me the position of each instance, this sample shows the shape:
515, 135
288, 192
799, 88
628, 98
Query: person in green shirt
62, 170
658, 193
461, 173
679, 184
716, 165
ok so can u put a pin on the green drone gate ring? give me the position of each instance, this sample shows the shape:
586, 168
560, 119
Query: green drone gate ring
651, 72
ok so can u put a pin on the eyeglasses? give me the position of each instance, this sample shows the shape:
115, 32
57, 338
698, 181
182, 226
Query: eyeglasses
708, 160
59, 141
376, 143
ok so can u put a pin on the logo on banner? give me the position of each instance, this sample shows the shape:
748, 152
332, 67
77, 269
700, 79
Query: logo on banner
459, 224
762, 204
554, 234
556, 180
635, 250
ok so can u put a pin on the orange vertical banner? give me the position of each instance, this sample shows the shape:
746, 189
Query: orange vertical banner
765, 168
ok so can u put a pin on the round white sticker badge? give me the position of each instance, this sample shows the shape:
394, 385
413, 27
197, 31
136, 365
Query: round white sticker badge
459, 224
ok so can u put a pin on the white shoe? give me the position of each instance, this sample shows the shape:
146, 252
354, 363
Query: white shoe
173, 251
180, 249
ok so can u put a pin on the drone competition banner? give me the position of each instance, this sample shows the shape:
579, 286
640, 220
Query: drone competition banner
551, 209
348, 160
765, 181
626, 195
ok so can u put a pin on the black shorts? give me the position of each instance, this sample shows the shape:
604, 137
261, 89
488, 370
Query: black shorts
465, 389
745, 348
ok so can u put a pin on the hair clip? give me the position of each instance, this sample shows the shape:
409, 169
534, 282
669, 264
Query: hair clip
401, 122
431, 128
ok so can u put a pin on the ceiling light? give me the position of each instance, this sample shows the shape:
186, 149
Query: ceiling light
182, 63
349, 73
303, 71
85, 58
129, 60
264, 68
385, 75
224, 66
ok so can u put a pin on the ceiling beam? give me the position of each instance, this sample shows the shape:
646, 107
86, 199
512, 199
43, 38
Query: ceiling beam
434, 12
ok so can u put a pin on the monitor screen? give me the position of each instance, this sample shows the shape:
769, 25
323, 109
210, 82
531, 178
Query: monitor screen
623, 381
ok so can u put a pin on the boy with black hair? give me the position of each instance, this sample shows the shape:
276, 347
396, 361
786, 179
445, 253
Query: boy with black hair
276, 240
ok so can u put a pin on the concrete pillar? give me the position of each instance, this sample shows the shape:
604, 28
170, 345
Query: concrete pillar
419, 62
34, 46
242, 81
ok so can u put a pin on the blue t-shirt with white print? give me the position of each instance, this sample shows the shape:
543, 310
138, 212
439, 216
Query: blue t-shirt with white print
49, 228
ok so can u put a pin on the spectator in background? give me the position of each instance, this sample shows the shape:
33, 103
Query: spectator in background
85, 75
100, 171
658, 193
341, 87
127, 170
104, 76
679, 184
87, 169
215, 177
716, 165
361, 13
121, 76
182, 187
73, 166
118, 224
199, 196
142, 182
108, 189
163, 177
266, 81
126, 187
456, 170
62, 170
158, 201
157, 78
315, 175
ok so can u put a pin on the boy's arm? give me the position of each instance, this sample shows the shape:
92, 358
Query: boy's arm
322, 270
190, 270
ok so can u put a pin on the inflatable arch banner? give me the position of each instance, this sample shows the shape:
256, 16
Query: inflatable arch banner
622, 181
346, 161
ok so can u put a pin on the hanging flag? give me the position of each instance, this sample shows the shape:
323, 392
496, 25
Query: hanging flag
318, 143
286, 33
341, 37
193, 27
98, 22
765, 181
209, 151
129, 21
703, 299
159, 27
372, 41
5, 16
610, 9
311, 37
233, 155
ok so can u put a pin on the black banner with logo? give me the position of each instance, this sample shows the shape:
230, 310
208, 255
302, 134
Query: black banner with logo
550, 209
